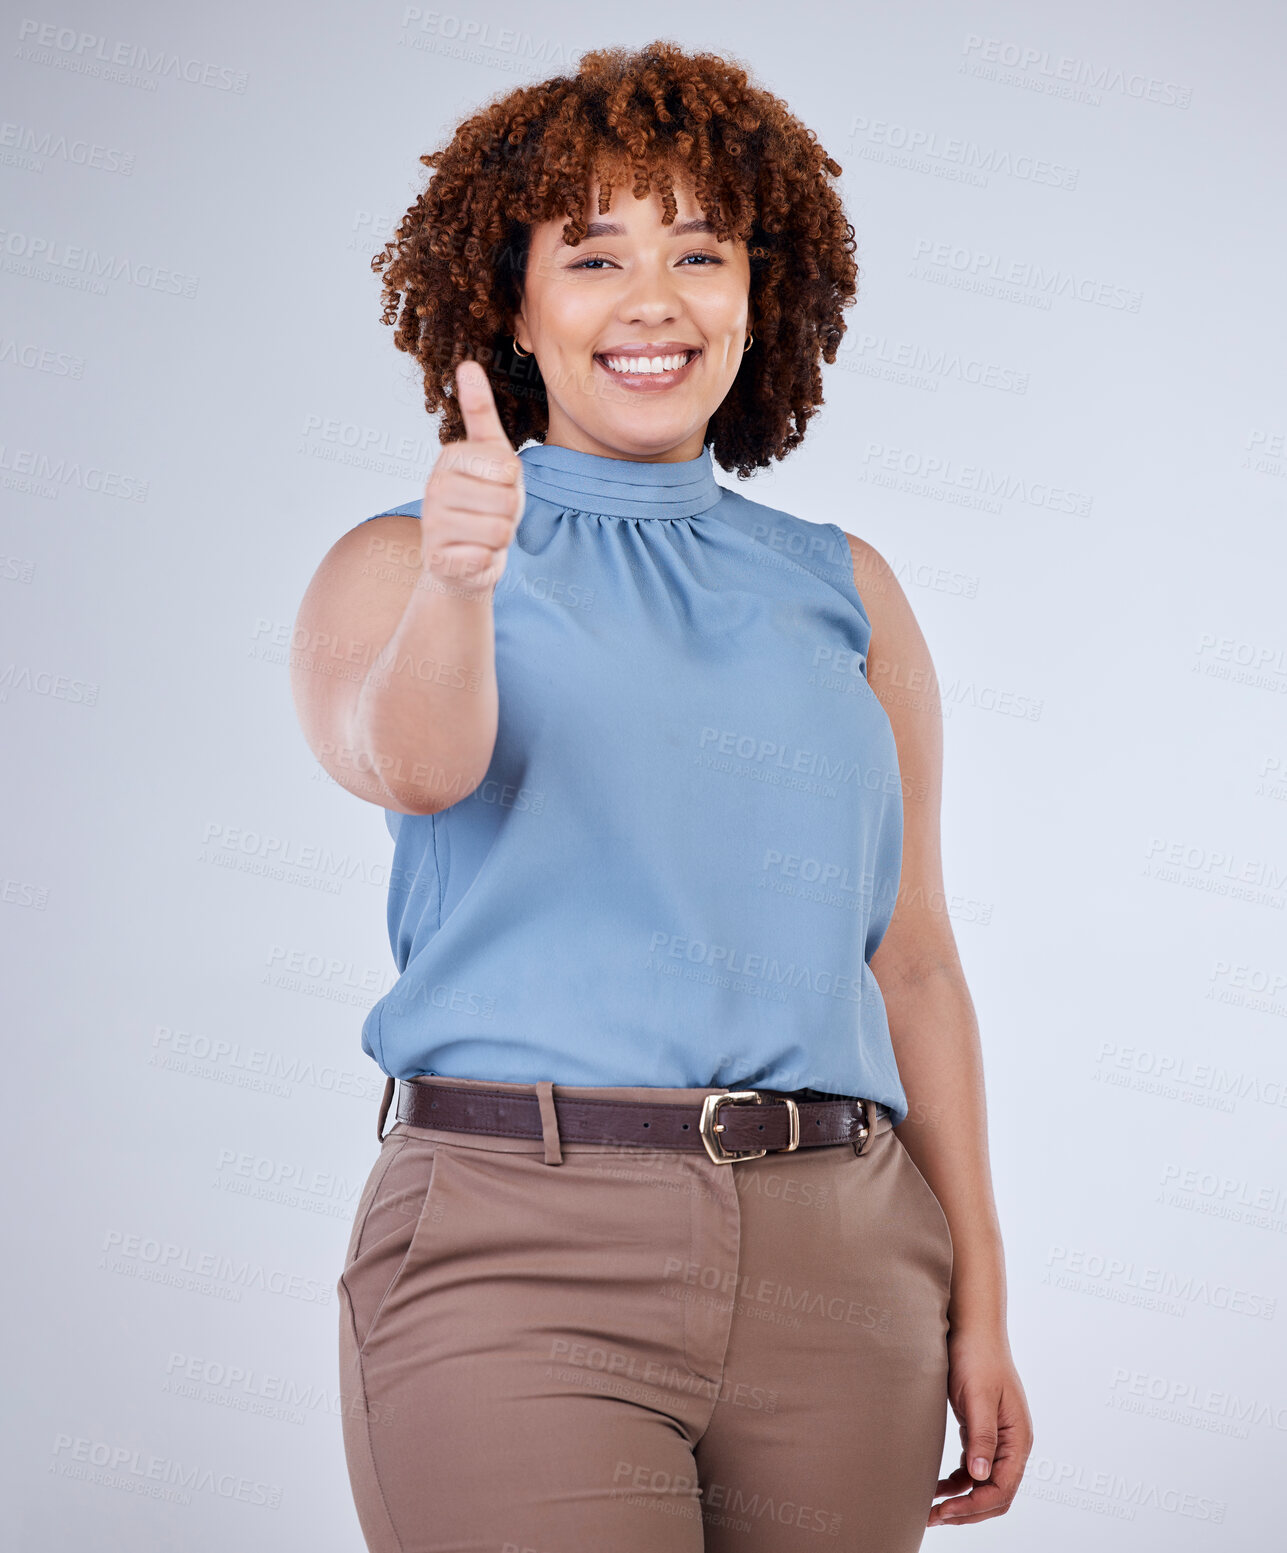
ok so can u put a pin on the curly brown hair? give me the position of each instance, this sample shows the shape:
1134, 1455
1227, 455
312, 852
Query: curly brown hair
453, 275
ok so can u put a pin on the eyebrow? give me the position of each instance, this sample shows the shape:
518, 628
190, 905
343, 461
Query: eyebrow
679, 229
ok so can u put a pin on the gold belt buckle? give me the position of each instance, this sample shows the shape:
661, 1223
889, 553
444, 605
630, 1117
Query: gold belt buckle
710, 1125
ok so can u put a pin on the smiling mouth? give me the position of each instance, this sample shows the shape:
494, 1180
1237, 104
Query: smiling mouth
661, 369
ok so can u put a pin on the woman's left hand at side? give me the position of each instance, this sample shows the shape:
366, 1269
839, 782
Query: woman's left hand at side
987, 1397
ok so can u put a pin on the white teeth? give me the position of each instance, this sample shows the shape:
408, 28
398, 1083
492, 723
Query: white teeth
646, 363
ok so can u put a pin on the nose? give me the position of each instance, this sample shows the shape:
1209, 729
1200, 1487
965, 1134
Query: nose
651, 299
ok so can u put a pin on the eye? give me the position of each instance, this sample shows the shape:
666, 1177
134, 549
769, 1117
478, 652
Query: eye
584, 264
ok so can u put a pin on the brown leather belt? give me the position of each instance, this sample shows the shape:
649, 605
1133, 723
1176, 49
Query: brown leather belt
733, 1125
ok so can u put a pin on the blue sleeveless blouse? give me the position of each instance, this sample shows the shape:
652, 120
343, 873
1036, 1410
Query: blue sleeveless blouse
688, 844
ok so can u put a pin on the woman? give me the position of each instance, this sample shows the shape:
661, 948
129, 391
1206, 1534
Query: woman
642, 1263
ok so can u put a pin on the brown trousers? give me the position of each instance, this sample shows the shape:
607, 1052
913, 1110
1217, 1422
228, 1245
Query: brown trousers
585, 1348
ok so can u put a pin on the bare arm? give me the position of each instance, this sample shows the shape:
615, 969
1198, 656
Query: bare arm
935, 1036
393, 672
931, 1015
393, 661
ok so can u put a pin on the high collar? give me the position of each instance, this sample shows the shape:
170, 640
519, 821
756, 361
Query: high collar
620, 487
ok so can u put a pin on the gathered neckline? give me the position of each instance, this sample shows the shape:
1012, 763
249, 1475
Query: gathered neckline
620, 487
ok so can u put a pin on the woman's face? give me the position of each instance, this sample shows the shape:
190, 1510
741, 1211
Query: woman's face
634, 288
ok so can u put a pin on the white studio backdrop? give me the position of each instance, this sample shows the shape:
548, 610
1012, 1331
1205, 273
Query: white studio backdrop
1058, 413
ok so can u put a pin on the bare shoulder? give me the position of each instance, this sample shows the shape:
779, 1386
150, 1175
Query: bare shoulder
900, 671
899, 666
360, 586
381, 549
350, 610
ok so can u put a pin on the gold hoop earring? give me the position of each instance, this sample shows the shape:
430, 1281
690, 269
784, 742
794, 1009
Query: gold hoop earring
747, 346
518, 349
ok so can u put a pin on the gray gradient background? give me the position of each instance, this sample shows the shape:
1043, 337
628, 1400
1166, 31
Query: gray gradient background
193, 914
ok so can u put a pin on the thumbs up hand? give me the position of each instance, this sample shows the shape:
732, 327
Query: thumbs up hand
474, 496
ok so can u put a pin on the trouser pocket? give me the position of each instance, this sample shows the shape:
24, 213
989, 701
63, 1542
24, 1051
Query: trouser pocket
392, 1224
920, 1189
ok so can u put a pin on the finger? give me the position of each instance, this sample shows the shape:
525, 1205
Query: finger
492, 461
984, 1500
983, 1496
463, 558
477, 406
473, 528
1007, 1467
467, 493
469, 562
981, 1427
448, 487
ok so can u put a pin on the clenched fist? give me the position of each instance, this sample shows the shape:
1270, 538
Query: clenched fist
474, 496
